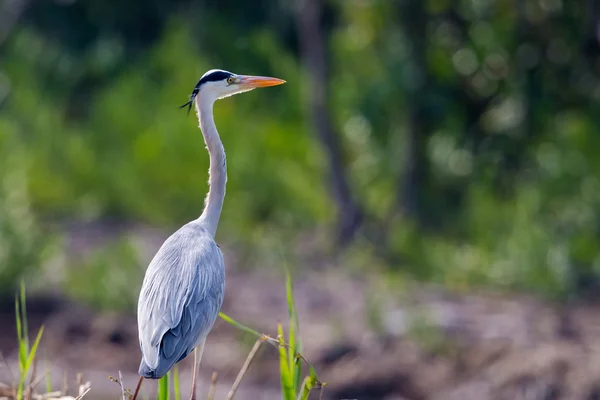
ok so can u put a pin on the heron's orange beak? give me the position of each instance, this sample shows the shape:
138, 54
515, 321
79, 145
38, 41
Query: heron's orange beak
259, 81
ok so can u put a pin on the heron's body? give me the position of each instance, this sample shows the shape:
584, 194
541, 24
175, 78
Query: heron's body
193, 262
184, 285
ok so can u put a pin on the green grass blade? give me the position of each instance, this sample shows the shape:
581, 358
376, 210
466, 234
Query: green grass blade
48, 377
289, 291
294, 334
169, 385
24, 317
20, 389
313, 373
176, 386
314, 381
18, 319
22, 356
307, 386
287, 386
238, 325
163, 388
34, 348
297, 373
20, 339
21, 347
28, 363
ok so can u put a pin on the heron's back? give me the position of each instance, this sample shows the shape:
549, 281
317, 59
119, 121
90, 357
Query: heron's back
180, 298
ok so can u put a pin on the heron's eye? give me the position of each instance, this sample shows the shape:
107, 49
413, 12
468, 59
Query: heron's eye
230, 80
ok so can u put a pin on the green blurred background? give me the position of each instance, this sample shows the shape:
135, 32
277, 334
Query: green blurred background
447, 141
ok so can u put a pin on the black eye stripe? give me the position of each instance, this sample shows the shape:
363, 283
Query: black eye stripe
214, 77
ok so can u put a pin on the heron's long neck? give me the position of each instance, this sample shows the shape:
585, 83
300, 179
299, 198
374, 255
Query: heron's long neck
217, 173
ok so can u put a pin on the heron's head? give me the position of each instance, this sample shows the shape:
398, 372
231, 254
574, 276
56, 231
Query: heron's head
217, 84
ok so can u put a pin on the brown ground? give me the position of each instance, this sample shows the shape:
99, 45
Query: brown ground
429, 346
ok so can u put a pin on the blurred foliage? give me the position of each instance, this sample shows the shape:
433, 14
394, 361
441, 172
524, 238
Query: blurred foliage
22, 245
108, 278
468, 131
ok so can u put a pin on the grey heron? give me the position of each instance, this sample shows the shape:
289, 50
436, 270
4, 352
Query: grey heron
183, 288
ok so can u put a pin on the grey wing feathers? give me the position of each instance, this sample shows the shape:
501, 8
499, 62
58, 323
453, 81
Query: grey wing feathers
180, 298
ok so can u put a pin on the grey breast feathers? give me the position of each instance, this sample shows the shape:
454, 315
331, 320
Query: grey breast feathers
180, 298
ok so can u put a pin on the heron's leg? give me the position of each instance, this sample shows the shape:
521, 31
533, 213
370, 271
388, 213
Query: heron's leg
197, 358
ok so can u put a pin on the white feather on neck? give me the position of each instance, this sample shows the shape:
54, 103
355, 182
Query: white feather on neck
217, 173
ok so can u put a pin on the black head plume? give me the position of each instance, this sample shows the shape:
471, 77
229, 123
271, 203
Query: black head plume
190, 103
189, 106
